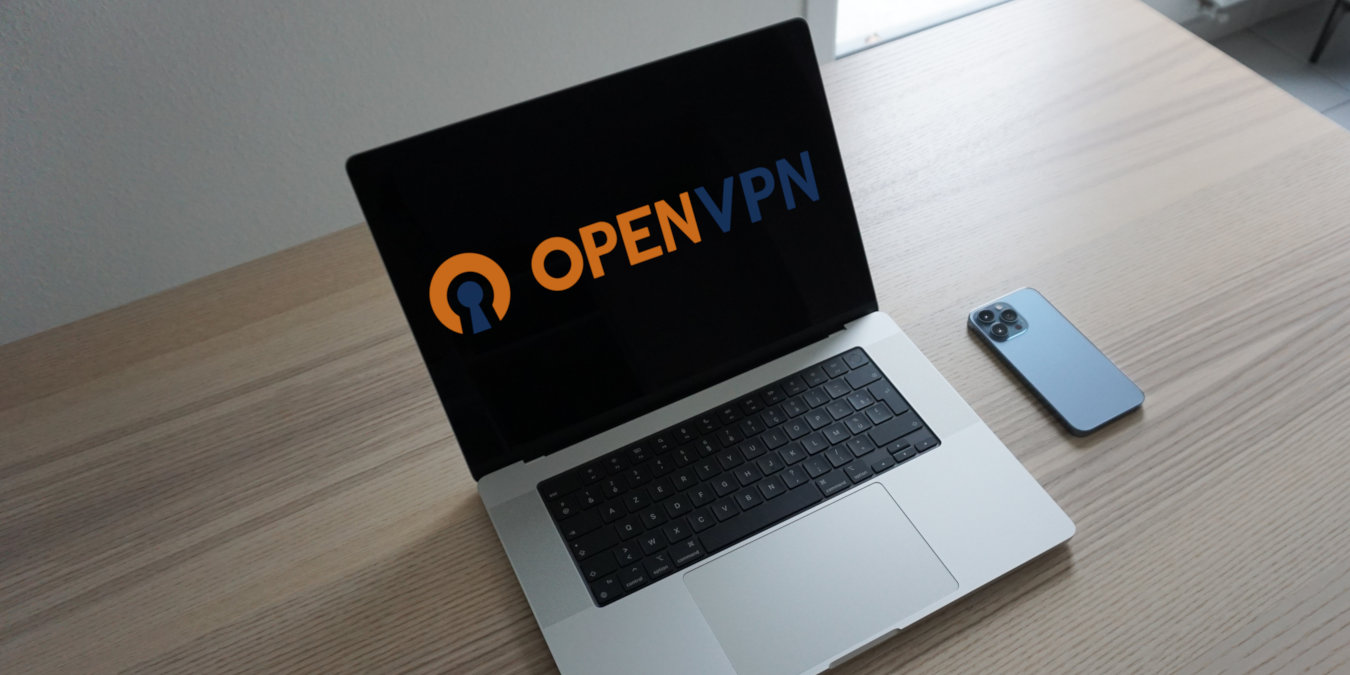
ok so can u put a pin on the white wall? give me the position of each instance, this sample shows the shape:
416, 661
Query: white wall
145, 144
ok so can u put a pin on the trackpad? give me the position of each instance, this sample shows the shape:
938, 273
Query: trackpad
820, 586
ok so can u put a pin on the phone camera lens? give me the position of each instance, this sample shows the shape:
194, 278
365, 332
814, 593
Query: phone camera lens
1009, 315
999, 330
985, 316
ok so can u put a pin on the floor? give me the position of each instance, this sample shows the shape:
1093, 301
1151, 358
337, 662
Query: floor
1278, 50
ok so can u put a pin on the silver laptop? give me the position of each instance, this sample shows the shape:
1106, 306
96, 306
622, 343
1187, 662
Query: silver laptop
645, 305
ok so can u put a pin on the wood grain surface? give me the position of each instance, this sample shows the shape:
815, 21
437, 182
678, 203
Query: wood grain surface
251, 473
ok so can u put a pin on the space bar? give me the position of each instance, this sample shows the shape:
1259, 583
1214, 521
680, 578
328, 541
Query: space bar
721, 536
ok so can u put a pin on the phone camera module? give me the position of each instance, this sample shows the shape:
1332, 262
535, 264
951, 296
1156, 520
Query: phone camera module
985, 316
1008, 315
999, 331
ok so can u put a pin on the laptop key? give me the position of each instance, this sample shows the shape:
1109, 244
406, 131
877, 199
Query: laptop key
594, 543
724, 485
651, 542
632, 578
706, 446
863, 377
833, 483
728, 436
629, 527
837, 388
748, 474
701, 495
883, 463
613, 487
922, 441
686, 552
771, 487
817, 466
773, 417
836, 433
750, 426
636, 500
858, 423
883, 391
580, 524
555, 488
793, 453
728, 414
707, 469
612, 511
725, 509
652, 516
627, 554
662, 465
797, 428
816, 397
775, 438
896, 427
795, 406
598, 565
730, 459
684, 479
676, 530
771, 394
661, 489
879, 413
793, 385
838, 456
835, 367
770, 464
814, 377
752, 448
750, 405
789, 504
685, 455
838, 410
677, 506
702, 519
748, 498
860, 445
855, 358
707, 423
901, 451
637, 475
860, 400
858, 470
607, 590
794, 476
814, 443
658, 565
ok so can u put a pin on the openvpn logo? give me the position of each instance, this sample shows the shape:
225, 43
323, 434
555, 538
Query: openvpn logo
647, 232
470, 293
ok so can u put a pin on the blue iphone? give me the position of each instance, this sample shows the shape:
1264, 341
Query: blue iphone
1061, 366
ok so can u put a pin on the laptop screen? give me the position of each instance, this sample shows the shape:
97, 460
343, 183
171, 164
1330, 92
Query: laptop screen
571, 262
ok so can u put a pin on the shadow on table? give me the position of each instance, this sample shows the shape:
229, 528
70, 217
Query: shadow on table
448, 603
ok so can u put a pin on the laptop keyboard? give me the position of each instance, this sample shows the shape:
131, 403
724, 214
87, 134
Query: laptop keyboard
644, 511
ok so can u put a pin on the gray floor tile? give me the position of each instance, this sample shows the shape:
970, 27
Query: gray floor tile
1296, 32
1293, 75
1340, 115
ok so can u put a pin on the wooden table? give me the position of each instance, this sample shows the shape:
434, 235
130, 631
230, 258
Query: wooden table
252, 473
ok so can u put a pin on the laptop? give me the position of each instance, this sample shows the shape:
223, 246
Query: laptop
646, 307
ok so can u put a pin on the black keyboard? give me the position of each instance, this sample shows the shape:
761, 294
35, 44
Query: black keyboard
642, 512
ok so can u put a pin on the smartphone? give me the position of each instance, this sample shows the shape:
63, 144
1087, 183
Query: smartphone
1060, 365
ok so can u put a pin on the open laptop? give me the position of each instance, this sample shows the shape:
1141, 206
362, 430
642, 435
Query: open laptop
645, 306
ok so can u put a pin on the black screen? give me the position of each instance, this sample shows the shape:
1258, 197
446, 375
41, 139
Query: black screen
730, 145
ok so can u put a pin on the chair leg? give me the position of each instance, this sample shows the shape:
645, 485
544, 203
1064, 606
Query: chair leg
1328, 28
